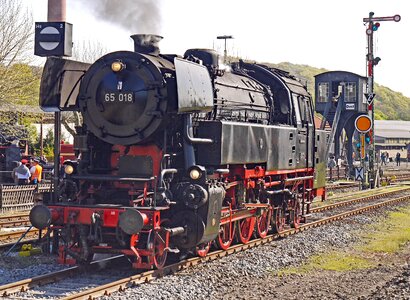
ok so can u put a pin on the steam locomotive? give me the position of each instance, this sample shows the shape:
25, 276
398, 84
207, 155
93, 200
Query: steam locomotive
178, 154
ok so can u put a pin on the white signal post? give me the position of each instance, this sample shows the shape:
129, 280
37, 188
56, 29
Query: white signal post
373, 25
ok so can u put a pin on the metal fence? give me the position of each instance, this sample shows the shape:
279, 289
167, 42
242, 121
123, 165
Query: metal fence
21, 197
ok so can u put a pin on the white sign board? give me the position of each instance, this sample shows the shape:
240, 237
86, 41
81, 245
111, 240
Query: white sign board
359, 173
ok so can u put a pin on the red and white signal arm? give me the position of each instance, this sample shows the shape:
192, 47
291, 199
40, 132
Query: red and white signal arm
363, 123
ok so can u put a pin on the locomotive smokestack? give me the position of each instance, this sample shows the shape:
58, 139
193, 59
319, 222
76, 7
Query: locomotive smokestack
146, 43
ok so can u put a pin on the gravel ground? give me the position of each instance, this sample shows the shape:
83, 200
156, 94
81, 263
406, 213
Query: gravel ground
14, 268
397, 288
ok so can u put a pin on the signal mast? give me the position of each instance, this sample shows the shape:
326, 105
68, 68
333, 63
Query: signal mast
373, 25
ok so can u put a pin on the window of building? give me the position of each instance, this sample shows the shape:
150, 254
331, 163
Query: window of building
350, 92
323, 90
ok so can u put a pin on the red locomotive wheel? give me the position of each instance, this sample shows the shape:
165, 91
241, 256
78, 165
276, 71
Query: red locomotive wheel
160, 254
203, 249
245, 229
225, 236
295, 215
262, 224
278, 219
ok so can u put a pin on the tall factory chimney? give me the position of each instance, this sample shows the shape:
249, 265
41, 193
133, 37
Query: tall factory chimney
56, 11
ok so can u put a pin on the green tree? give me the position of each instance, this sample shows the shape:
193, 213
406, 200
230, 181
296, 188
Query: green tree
17, 80
19, 86
48, 144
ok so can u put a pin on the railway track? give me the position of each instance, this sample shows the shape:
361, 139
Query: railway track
361, 196
9, 234
389, 177
341, 186
399, 177
121, 284
12, 236
14, 220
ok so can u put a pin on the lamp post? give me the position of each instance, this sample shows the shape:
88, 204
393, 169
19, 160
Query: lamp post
373, 25
224, 37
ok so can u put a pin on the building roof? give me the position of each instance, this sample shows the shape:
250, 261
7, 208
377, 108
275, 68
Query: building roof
392, 129
341, 73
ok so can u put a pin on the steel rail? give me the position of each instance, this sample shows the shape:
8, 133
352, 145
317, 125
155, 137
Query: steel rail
357, 200
14, 216
5, 236
352, 195
27, 284
333, 187
14, 220
14, 223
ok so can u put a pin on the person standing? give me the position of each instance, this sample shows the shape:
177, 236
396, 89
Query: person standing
383, 158
398, 159
22, 173
36, 171
331, 165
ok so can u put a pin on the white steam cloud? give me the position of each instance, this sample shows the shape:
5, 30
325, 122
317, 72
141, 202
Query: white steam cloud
136, 16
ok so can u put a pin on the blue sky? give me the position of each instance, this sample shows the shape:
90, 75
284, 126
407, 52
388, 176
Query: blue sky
320, 33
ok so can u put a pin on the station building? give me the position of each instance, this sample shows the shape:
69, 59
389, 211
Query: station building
392, 136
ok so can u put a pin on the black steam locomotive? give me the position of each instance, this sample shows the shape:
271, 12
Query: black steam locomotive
178, 155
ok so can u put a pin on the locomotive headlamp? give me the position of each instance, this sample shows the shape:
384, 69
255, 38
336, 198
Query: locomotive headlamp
196, 172
117, 66
68, 169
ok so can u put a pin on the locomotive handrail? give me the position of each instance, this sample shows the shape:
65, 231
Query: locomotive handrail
238, 102
222, 171
298, 178
278, 192
189, 137
164, 172
112, 178
237, 87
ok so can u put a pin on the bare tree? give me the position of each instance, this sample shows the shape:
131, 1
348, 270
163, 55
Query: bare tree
88, 51
71, 119
16, 32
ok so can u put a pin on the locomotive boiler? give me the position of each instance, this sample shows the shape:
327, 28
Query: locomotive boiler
177, 154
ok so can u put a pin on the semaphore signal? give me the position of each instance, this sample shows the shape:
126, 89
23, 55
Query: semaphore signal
373, 24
